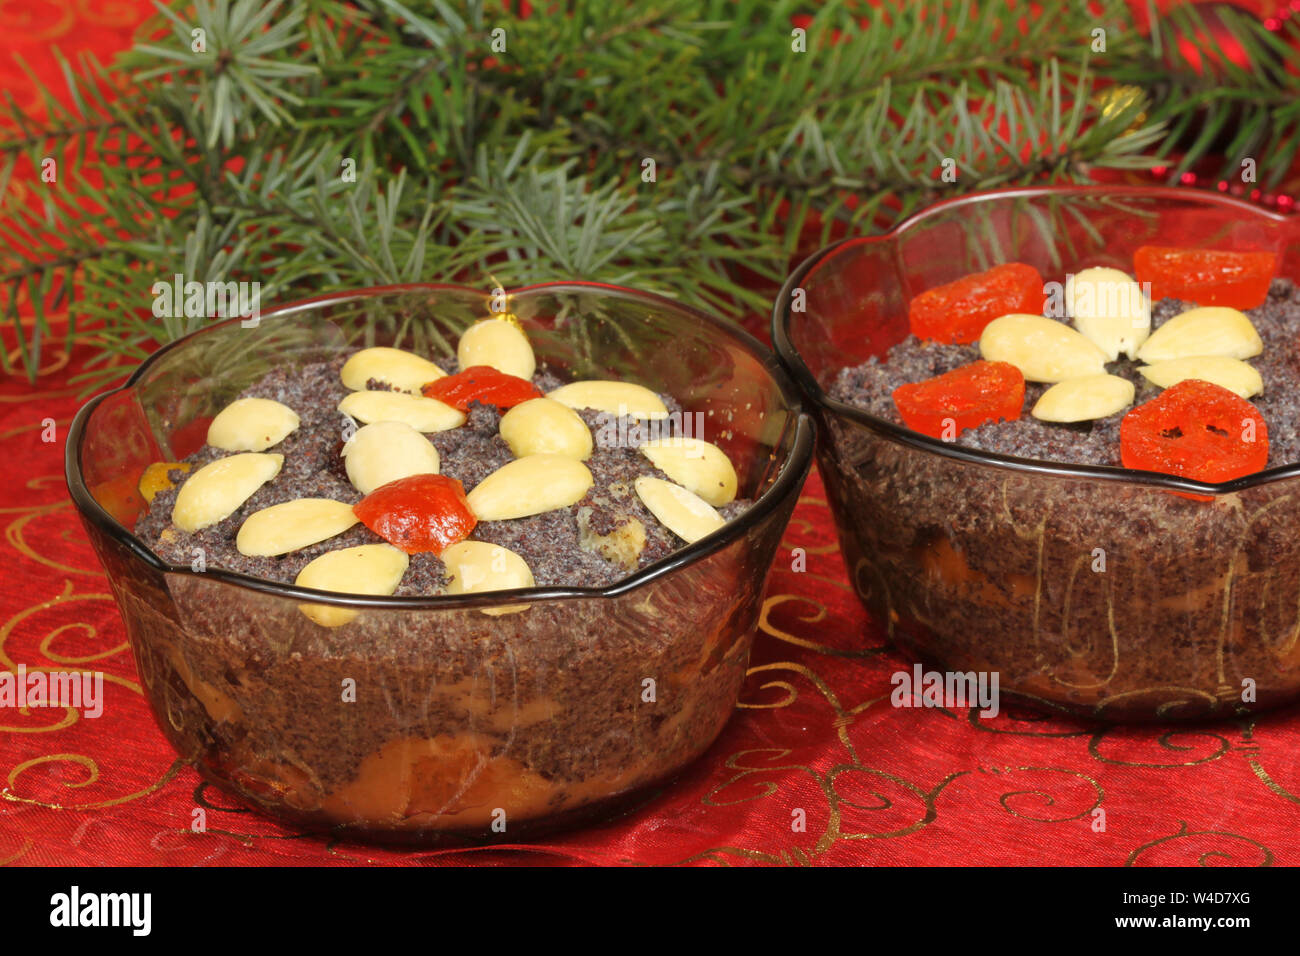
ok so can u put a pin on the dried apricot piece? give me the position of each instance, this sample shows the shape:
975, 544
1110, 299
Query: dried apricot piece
156, 478
1206, 276
481, 383
418, 513
957, 312
1197, 430
966, 397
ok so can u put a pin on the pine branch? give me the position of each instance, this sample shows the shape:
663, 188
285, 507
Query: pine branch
1262, 103
324, 145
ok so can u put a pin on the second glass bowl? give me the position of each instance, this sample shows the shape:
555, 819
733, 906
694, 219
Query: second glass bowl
1093, 591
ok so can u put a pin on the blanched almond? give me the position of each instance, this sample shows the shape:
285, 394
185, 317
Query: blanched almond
543, 426
403, 370
291, 525
479, 566
385, 451
365, 569
216, 490
696, 465
498, 343
422, 414
682, 512
1210, 330
1043, 349
251, 424
1108, 307
1084, 399
621, 398
529, 486
1233, 374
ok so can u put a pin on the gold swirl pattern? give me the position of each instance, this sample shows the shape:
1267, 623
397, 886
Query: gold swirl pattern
1041, 797
1201, 848
817, 765
38, 21
1202, 747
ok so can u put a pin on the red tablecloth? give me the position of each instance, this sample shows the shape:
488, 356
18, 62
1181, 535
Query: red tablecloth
814, 732
814, 738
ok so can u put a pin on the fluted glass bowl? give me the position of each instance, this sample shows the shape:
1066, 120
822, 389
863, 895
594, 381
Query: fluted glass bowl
1090, 590
483, 716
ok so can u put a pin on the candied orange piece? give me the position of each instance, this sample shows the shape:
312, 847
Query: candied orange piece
418, 513
481, 383
1198, 430
156, 479
966, 397
957, 312
1239, 280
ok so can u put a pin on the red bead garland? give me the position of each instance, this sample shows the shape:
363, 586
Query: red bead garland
1282, 202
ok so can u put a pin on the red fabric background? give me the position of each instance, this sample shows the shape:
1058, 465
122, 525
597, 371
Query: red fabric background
814, 731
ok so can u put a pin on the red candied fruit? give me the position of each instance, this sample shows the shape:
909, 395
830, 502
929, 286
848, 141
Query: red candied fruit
481, 383
418, 513
966, 397
956, 313
1197, 430
1239, 280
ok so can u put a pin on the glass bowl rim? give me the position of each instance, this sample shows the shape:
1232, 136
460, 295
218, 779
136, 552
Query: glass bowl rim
824, 404
787, 481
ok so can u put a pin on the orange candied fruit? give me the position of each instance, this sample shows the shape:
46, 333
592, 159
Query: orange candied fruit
1197, 430
156, 478
418, 513
1239, 280
481, 383
956, 313
966, 397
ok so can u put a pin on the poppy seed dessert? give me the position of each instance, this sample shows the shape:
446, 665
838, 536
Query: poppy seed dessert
1084, 350
1109, 595
871, 387
380, 472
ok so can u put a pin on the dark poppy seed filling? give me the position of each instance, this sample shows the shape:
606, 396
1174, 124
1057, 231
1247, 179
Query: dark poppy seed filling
605, 536
870, 386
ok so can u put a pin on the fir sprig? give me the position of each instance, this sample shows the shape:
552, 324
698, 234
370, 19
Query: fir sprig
227, 63
681, 146
1216, 106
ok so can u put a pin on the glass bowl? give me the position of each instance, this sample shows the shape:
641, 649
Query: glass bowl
1093, 591
483, 716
